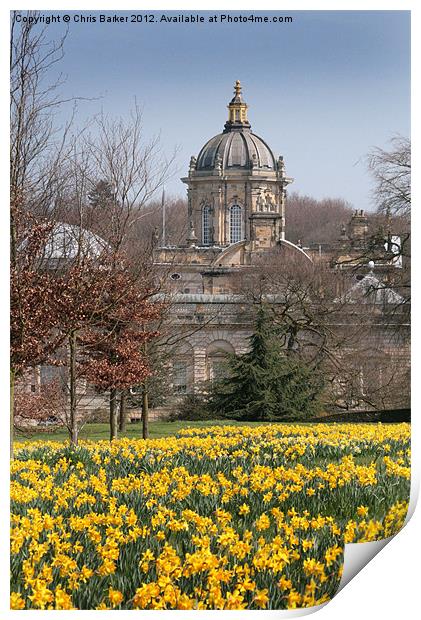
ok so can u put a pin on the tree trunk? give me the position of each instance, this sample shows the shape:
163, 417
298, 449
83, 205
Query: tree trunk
123, 412
12, 407
72, 388
113, 414
145, 412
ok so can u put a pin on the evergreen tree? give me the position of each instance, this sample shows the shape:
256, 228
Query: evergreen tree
102, 195
268, 382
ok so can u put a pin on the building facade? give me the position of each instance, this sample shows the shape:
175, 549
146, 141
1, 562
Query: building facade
236, 190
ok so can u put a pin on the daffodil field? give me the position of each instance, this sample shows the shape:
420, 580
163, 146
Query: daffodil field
223, 517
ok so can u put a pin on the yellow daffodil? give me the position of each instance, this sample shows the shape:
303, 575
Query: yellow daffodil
115, 597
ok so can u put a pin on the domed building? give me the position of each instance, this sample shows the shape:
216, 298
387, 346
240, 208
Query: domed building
236, 189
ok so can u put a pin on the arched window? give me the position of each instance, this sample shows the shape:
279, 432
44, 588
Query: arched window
216, 359
206, 229
235, 224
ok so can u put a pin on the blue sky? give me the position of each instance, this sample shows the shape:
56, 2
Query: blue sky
322, 91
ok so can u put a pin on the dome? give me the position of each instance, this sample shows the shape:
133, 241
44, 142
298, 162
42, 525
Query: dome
66, 241
236, 148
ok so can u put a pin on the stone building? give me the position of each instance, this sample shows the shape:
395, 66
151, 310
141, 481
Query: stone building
236, 188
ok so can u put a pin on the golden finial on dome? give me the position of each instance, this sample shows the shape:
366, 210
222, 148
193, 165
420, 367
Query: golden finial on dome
237, 88
237, 118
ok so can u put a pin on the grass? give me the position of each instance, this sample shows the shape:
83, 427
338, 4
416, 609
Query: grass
96, 432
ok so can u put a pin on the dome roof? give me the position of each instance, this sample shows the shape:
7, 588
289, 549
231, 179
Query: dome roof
66, 241
237, 148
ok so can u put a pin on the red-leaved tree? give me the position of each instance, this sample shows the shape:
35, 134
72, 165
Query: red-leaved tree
113, 354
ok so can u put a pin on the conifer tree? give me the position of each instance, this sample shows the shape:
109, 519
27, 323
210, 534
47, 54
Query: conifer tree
268, 382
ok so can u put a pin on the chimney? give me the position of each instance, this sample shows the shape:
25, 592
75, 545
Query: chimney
358, 226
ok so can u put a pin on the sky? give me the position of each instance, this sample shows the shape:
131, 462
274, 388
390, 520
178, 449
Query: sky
322, 91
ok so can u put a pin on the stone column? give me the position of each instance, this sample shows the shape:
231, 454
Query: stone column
224, 215
282, 196
217, 215
247, 210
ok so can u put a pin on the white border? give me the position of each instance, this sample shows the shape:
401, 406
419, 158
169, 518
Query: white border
389, 585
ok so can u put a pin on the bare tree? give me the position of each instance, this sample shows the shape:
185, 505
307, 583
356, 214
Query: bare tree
37, 149
391, 172
310, 220
38, 143
356, 342
52, 176
130, 167
115, 172
44, 405
150, 225
164, 351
